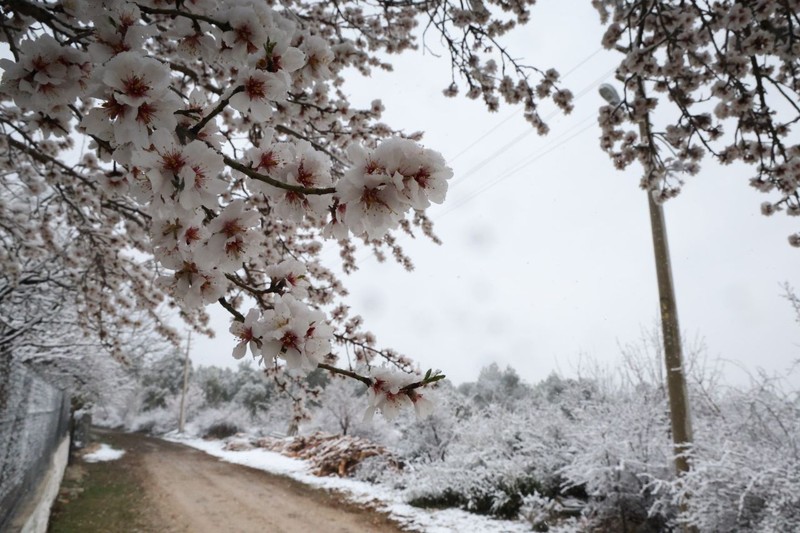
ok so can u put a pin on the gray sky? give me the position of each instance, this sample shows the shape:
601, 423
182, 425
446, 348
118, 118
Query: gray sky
547, 258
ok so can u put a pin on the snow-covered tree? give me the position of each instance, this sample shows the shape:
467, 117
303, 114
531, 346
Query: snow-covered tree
495, 386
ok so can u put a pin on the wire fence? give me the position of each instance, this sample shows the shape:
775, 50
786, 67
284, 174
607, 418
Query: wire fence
34, 419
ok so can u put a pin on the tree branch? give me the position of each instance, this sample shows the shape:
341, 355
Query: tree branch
248, 171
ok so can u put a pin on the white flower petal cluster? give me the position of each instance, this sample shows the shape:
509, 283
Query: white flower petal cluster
290, 275
117, 26
261, 88
384, 184
184, 174
47, 77
176, 239
261, 40
195, 286
248, 333
319, 57
296, 333
136, 101
296, 164
232, 239
289, 330
389, 393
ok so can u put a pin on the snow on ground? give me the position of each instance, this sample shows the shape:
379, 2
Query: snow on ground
104, 453
382, 497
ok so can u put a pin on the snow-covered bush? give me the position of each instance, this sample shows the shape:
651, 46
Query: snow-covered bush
337, 412
220, 422
619, 445
429, 439
553, 514
496, 459
746, 464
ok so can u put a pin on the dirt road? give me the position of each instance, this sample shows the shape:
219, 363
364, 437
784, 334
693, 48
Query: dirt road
196, 493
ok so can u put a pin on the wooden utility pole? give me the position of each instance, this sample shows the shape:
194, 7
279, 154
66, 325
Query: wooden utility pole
182, 418
680, 416
679, 413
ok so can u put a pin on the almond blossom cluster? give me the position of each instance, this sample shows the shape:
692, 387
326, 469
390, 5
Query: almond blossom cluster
390, 391
289, 331
384, 184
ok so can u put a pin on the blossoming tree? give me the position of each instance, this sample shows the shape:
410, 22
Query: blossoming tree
707, 78
201, 151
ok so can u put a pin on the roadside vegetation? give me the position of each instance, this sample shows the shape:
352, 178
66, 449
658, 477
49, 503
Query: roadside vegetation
592, 452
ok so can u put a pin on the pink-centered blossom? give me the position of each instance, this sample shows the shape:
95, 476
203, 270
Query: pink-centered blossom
294, 332
195, 40
135, 79
260, 89
386, 394
292, 275
47, 76
186, 174
248, 32
137, 100
304, 166
175, 239
232, 238
384, 184
336, 227
118, 29
248, 333
419, 174
195, 286
373, 203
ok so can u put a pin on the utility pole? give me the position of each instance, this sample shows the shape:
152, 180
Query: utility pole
182, 418
680, 416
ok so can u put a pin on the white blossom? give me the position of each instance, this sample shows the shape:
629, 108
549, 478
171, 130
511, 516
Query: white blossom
248, 333
137, 100
47, 77
290, 273
385, 394
231, 241
295, 333
185, 174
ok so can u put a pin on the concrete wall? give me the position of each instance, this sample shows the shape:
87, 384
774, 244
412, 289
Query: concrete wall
35, 514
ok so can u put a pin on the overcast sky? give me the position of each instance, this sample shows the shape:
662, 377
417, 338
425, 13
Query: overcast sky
547, 258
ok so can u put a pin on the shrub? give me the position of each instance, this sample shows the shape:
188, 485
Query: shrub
477, 490
221, 430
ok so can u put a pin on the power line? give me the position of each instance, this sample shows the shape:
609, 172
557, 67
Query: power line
519, 109
515, 169
525, 133
533, 157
